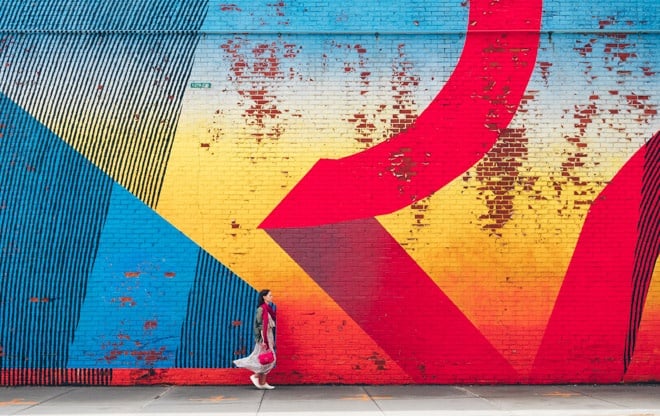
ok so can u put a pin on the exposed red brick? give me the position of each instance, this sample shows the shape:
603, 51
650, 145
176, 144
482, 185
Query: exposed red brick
151, 324
230, 8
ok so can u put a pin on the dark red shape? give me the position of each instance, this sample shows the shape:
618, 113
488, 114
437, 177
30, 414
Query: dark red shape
454, 132
394, 301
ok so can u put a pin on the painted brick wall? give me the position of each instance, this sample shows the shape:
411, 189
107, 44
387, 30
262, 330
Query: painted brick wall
434, 191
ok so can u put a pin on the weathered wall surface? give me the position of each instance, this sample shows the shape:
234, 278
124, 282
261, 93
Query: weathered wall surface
435, 191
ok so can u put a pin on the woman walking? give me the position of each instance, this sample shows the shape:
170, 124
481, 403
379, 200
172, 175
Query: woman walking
262, 359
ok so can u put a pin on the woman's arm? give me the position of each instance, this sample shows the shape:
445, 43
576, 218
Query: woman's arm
258, 326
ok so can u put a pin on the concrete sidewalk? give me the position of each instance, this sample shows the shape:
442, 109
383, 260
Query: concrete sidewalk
635, 399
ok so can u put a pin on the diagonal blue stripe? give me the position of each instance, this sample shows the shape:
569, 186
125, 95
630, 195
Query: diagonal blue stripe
218, 325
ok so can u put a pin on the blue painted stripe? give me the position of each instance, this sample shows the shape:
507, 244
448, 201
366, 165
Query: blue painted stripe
218, 325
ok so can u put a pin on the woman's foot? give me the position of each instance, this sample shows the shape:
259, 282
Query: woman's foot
255, 380
267, 386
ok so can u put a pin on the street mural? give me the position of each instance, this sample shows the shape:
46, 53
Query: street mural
435, 192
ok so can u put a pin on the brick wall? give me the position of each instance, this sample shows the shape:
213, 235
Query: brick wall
434, 191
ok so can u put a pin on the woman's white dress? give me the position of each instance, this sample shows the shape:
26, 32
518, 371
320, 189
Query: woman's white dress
251, 362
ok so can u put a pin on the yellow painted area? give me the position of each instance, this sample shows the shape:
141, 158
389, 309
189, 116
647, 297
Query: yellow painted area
221, 181
218, 200
217, 191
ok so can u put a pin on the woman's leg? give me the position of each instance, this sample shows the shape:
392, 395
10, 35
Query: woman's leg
256, 380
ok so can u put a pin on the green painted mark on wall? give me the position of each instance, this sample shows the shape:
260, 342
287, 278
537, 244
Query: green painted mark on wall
200, 85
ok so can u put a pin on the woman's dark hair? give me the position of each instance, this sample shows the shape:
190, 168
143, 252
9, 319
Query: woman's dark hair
262, 293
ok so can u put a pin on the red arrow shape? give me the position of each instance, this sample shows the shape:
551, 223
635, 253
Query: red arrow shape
459, 126
367, 272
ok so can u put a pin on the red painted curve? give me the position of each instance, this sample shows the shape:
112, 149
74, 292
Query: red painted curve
459, 126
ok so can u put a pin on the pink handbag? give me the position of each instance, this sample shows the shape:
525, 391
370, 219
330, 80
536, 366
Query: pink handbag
266, 357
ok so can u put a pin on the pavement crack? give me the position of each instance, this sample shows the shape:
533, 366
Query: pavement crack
158, 396
373, 400
39, 403
261, 401
491, 403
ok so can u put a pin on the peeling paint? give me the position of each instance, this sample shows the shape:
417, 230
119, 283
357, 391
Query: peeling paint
402, 165
230, 8
149, 325
147, 357
374, 124
124, 301
255, 70
499, 176
545, 71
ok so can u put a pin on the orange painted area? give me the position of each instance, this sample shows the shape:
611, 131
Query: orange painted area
318, 342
